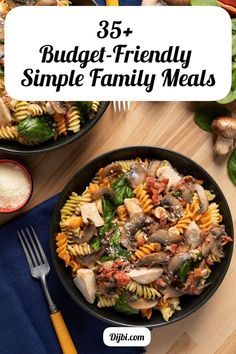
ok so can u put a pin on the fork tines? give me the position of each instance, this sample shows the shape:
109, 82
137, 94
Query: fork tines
118, 105
32, 247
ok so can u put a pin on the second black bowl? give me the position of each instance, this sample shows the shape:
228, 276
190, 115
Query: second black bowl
185, 166
15, 148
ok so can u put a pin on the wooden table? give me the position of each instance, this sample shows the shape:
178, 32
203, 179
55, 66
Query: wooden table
212, 329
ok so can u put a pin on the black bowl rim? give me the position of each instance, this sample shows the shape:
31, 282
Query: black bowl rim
44, 148
173, 319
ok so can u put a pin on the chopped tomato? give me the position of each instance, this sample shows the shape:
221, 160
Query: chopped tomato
197, 273
173, 248
122, 278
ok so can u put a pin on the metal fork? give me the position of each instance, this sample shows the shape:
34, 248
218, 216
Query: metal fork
118, 105
39, 268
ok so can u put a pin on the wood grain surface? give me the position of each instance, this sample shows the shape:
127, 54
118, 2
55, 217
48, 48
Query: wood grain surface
212, 329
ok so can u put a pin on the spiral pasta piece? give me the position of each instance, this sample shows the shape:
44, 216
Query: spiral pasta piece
60, 124
21, 110
126, 164
74, 119
9, 133
80, 250
143, 251
63, 3
107, 301
61, 243
95, 106
74, 264
143, 197
211, 217
70, 206
86, 197
35, 109
185, 220
122, 213
141, 290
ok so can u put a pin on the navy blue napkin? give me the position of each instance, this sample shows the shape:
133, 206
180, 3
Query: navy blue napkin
121, 2
25, 325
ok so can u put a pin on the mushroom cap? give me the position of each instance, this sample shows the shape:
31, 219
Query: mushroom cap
145, 275
141, 303
225, 127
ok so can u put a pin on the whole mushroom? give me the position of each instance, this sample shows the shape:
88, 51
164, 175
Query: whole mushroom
225, 130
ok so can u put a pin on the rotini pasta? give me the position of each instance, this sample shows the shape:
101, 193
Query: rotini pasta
138, 254
79, 250
144, 250
74, 119
107, 301
35, 109
122, 213
61, 250
143, 290
211, 217
70, 206
9, 133
143, 197
21, 110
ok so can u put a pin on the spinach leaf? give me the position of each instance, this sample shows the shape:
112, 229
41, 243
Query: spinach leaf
96, 242
206, 113
183, 272
115, 249
108, 210
204, 3
122, 190
37, 129
231, 166
123, 307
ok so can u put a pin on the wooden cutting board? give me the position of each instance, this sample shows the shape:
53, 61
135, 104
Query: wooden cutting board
212, 329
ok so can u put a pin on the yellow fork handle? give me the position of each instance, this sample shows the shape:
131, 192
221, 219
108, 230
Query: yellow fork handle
63, 334
112, 2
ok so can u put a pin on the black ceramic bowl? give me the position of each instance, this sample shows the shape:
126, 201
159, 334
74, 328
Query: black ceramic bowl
185, 166
16, 148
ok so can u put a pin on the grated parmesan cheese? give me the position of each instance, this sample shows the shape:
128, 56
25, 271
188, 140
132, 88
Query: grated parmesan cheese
14, 186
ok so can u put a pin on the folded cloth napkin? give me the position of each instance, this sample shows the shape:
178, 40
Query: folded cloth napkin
25, 325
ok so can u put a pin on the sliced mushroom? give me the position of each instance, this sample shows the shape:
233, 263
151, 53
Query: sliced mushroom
145, 275
152, 167
91, 258
173, 204
202, 198
131, 227
207, 245
171, 292
59, 107
89, 211
133, 206
164, 237
193, 235
136, 175
86, 283
169, 173
176, 262
154, 259
141, 303
5, 116
217, 249
89, 232
103, 191
111, 169
225, 127
187, 195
